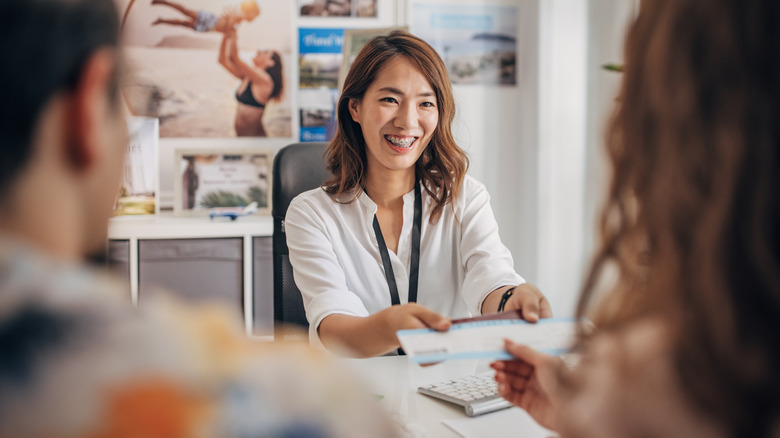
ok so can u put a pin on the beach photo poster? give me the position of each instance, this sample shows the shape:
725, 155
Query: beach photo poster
338, 8
222, 178
478, 43
319, 63
139, 191
210, 68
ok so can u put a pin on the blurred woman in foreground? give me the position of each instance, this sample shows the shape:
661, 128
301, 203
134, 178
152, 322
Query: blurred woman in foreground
687, 342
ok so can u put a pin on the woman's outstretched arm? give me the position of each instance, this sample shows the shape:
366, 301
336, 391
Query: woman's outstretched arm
368, 336
225, 58
256, 75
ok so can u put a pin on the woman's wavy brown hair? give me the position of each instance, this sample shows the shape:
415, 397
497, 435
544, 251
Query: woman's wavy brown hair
441, 167
693, 211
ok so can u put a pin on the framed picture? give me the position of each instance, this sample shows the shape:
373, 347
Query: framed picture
139, 192
338, 8
207, 179
354, 40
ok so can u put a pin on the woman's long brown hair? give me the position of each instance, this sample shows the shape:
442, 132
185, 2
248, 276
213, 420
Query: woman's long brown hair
441, 167
693, 211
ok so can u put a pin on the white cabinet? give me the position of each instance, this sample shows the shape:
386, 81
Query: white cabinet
199, 259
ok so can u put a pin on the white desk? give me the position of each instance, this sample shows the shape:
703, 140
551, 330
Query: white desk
396, 378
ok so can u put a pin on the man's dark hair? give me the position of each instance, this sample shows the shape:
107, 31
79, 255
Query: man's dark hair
44, 45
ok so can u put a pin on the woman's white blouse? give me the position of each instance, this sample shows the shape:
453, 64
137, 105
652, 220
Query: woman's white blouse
338, 268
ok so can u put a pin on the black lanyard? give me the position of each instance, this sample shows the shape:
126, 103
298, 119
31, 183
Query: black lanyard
415, 262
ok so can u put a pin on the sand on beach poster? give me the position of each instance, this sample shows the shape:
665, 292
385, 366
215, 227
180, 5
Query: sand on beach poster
188, 69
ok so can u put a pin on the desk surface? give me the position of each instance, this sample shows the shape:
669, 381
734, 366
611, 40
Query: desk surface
396, 378
167, 226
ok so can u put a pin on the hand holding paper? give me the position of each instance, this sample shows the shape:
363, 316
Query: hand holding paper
483, 338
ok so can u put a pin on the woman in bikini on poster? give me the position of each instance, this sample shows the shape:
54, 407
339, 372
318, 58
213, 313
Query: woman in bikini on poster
261, 82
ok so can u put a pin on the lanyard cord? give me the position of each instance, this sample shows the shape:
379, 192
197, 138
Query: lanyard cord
414, 267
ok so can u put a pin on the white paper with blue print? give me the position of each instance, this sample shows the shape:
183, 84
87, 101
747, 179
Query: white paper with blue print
485, 339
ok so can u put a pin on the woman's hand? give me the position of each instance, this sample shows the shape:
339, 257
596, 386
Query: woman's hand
376, 334
530, 382
226, 48
529, 300
409, 316
525, 297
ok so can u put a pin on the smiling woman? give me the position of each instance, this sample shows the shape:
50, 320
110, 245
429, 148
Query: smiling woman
398, 116
366, 262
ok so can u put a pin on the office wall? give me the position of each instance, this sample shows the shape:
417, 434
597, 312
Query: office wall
576, 96
498, 127
535, 145
610, 20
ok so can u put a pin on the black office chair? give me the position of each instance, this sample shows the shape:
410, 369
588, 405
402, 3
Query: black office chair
297, 168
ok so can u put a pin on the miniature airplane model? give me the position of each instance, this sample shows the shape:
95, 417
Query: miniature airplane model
233, 212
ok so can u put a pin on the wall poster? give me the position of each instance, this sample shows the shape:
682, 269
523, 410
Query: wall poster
210, 68
478, 43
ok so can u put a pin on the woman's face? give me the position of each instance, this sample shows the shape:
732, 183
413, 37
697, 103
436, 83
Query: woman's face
263, 59
398, 115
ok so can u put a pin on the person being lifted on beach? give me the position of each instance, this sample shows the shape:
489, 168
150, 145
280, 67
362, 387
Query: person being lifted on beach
205, 21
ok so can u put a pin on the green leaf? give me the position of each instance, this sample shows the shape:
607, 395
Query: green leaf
613, 67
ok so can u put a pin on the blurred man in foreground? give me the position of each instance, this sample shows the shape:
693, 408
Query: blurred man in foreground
76, 359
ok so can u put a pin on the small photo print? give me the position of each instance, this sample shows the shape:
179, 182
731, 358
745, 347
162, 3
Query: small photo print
477, 43
318, 113
320, 70
234, 178
338, 8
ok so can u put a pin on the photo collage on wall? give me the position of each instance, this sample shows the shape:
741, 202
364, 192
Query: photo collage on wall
320, 63
221, 74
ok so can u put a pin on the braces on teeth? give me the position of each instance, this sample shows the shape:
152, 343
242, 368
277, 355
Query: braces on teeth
402, 143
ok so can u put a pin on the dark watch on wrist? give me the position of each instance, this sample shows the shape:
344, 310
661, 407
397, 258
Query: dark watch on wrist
505, 298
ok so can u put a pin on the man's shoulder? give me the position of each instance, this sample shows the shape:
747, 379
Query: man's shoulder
78, 348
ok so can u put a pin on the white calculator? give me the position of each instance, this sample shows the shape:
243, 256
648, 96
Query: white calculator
478, 394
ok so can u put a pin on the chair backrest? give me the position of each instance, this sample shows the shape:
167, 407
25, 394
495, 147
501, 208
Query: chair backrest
297, 168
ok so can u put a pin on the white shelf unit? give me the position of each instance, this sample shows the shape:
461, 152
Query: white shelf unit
167, 226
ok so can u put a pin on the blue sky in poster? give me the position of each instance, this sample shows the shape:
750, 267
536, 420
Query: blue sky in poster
458, 21
454, 28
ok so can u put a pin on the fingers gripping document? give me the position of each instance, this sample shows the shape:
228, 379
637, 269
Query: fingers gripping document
483, 338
